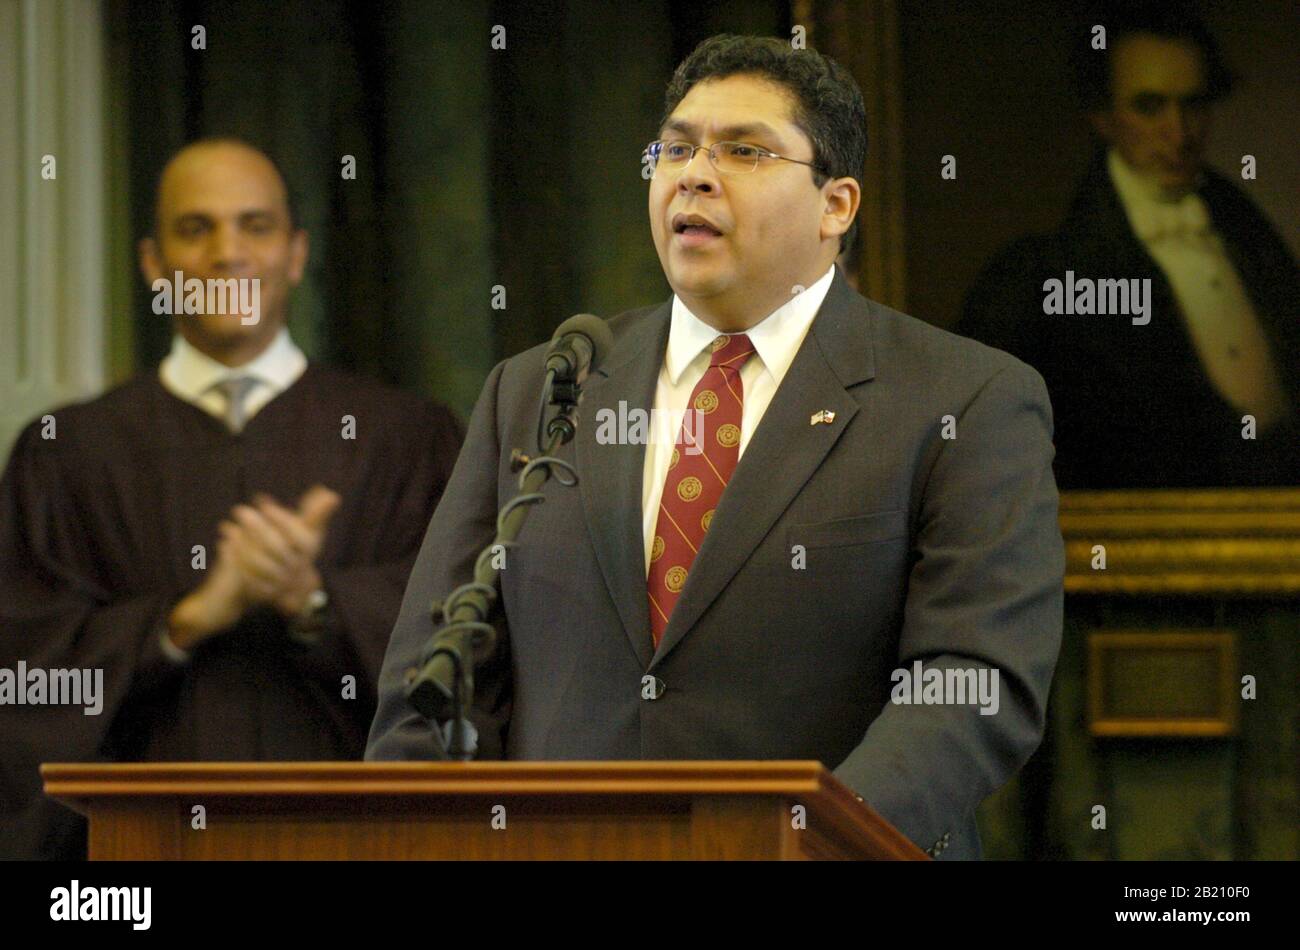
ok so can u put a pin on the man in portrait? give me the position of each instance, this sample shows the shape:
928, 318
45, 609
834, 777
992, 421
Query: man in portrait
1203, 387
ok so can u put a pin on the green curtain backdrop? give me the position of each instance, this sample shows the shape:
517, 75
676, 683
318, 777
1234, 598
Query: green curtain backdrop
477, 168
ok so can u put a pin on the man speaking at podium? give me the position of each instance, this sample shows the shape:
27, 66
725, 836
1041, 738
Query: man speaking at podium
855, 501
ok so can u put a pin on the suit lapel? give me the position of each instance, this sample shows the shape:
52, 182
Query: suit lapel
783, 453
1103, 237
610, 475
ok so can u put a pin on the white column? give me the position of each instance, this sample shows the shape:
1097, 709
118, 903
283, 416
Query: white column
53, 316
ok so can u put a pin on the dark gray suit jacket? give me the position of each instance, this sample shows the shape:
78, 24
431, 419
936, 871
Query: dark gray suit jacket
917, 547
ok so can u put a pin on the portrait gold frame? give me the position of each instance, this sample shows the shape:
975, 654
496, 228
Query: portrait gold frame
1196, 542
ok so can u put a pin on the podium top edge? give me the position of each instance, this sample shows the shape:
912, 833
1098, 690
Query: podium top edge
82, 780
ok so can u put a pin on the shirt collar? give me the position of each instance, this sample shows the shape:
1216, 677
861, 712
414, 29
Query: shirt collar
190, 373
776, 337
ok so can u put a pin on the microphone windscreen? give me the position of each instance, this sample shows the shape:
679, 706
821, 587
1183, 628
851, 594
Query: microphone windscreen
594, 329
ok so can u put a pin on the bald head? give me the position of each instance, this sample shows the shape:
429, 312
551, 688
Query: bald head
223, 212
214, 164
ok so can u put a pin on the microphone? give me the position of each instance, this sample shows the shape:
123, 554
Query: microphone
441, 686
579, 345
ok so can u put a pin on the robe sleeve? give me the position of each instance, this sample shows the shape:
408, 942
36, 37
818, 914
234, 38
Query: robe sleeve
364, 598
57, 611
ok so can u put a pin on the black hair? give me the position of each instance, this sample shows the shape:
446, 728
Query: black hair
1169, 19
828, 106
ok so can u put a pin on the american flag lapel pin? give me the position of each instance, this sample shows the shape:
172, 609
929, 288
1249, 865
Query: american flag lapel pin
822, 415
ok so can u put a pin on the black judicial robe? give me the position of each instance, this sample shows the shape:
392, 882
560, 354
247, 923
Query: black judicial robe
98, 528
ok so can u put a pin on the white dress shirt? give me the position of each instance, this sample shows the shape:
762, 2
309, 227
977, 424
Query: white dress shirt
776, 340
1224, 327
191, 375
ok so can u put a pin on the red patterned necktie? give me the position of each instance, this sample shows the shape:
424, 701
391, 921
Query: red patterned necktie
703, 459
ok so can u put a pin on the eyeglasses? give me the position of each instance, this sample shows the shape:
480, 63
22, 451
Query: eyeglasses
729, 158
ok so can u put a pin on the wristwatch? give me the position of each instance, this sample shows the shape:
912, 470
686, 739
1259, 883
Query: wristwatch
174, 654
309, 624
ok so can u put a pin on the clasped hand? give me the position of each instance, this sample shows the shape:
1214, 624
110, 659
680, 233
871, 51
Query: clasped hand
266, 555
273, 550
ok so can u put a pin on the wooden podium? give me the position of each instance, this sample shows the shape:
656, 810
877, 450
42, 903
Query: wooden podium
473, 810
